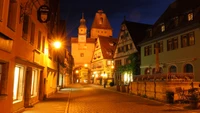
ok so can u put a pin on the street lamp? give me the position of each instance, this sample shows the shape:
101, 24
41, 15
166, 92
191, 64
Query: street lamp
57, 45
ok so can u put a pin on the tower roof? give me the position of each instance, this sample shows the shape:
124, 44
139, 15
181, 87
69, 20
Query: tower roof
101, 21
82, 21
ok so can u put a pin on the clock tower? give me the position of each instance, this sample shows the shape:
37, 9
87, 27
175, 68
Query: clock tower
82, 30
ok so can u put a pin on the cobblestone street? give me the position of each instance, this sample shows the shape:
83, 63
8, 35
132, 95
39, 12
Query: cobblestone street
99, 100
96, 99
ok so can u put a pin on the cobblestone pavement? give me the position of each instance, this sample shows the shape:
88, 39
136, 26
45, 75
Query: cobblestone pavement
83, 98
90, 99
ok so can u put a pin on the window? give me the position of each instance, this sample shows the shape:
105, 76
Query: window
18, 83
39, 40
188, 68
160, 47
187, 39
1, 9
150, 32
43, 44
176, 21
12, 14
148, 50
32, 33
82, 54
162, 27
172, 69
172, 44
34, 82
25, 27
130, 46
190, 16
1, 73
101, 21
118, 63
3, 78
127, 61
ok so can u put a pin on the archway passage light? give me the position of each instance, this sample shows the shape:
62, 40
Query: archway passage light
57, 44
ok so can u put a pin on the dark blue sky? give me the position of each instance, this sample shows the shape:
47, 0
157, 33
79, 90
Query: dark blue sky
142, 11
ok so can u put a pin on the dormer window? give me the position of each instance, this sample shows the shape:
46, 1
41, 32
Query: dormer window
190, 16
101, 20
176, 21
149, 31
162, 27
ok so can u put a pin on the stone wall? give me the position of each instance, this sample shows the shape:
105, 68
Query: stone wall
157, 90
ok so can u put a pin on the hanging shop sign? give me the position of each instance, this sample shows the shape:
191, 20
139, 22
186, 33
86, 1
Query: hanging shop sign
43, 14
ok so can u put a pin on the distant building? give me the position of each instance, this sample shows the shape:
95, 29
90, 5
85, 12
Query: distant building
177, 37
131, 34
83, 46
102, 63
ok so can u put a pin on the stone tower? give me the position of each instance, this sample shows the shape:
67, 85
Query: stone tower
101, 26
82, 30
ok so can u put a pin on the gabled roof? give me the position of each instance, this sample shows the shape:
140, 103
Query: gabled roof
179, 9
137, 30
108, 45
105, 24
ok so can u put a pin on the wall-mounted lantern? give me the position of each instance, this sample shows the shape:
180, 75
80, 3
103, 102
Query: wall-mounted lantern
43, 14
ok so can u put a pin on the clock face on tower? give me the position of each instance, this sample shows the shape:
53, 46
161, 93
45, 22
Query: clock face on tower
81, 31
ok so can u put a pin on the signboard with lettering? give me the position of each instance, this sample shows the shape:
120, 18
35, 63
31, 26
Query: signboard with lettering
43, 14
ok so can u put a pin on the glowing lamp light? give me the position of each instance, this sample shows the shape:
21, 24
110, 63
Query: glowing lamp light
57, 44
76, 71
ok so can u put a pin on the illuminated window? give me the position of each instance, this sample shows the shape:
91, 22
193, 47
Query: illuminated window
162, 27
12, 14
172, 44
190, 16
18, 83
34, 82
109, 62
191, 39
187, 39
1, 9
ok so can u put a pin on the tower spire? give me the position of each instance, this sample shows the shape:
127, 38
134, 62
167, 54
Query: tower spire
82, 15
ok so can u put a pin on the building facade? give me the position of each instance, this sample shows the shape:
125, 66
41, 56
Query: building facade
131, 33
102, 64
28, 69
176, 35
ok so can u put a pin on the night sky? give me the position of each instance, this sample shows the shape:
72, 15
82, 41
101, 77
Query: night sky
142, 11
